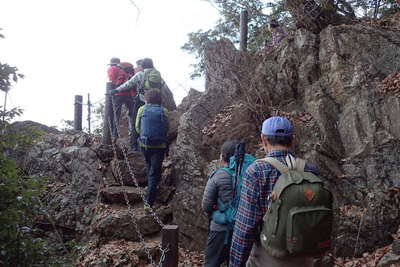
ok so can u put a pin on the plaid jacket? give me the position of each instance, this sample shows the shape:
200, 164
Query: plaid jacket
258, 183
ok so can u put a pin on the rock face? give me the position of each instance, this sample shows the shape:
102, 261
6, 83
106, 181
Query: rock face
92, 197
189, 162
327, 84
74, 171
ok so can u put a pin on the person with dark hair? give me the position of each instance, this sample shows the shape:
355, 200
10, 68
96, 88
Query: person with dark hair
152, 126
139, 65
218, 188
147, 78
257, 192
125, 98
277, 34
117, 76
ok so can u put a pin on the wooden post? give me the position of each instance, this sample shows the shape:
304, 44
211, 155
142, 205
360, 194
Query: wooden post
243, 30
107, 116
89, 110
170, 239
78, 113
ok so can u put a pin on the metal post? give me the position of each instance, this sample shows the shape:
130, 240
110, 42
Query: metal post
243, 30
88, 104
78, 113
107, 116
170, 239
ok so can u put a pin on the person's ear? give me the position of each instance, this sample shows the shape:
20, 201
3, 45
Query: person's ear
263, 140
294, 139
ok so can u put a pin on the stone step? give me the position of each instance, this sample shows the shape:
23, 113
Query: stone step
122, 253
116, 223
115, 194
137, 165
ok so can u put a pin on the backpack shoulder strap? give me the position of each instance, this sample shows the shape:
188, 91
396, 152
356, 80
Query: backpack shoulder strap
300, 164
282, 168
295, 163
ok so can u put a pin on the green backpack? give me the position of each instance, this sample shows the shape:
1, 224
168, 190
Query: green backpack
299, 218
152, 79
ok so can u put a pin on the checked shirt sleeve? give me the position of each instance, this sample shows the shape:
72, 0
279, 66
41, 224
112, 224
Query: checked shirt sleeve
247, 218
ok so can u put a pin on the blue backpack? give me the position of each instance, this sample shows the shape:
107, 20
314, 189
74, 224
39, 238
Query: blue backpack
153, 125
238, 165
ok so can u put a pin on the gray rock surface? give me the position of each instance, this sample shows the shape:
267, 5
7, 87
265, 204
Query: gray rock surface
327, 84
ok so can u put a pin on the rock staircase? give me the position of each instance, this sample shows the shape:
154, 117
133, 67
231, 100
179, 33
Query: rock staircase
120, 225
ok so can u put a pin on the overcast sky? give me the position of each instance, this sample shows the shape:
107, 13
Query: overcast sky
63, 47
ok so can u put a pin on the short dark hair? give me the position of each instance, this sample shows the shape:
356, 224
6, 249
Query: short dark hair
139, 62
228, 149
153, 96
147, 63
279, 140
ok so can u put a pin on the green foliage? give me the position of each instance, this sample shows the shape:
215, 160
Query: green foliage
229, 23
66, 125
228, 27
374, 8
97, 123
8, 74
19, 205
19, 195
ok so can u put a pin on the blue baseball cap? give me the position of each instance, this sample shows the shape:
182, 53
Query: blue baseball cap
277, 126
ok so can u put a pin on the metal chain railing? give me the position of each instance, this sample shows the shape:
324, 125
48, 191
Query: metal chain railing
130, 209
136, 183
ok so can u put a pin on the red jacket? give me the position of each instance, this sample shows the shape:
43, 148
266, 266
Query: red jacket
117, 76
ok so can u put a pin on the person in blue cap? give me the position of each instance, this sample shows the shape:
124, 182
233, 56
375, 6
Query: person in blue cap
258, 183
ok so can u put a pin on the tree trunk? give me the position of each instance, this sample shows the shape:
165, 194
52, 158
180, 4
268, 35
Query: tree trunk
313, 17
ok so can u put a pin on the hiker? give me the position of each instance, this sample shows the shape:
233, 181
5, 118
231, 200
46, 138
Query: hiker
115, 74
257, 196
128, 69
139, 65
126, 98
221, 198
144, 80
218, 188
116, 77
152, 126
277, 35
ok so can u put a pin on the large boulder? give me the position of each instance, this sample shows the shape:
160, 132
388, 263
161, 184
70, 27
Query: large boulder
189, 161
327, 84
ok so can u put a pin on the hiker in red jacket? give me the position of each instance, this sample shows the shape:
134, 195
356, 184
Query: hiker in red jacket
130, 103
118, 73
115, 74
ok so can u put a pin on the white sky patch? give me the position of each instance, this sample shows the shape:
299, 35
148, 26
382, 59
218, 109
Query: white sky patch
63, 47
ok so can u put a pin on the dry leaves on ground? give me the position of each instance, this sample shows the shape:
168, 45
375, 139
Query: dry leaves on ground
391, 85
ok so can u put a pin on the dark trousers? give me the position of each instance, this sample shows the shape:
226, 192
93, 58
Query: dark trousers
154, 158
118, 101
217, 252
135, 135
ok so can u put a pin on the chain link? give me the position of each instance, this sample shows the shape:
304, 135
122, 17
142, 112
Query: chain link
128, 204
150, 209
130, 209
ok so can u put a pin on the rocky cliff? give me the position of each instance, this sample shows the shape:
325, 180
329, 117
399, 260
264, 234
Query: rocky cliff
339, 88
328, 85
